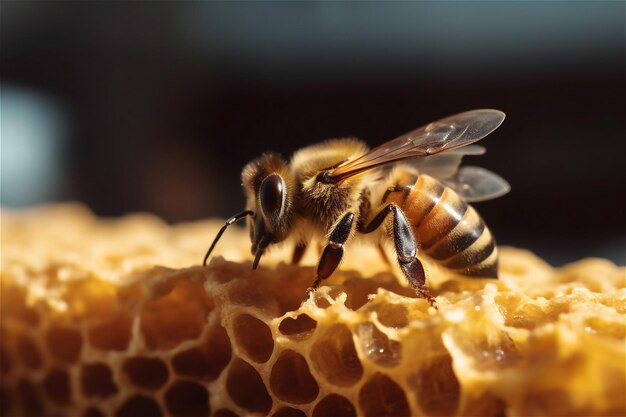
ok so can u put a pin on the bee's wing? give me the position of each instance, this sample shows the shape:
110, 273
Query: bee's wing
443, 135
471, 183
445, 165
477, 184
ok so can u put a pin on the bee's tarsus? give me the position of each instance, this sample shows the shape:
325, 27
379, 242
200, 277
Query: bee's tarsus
424, 293
310, 292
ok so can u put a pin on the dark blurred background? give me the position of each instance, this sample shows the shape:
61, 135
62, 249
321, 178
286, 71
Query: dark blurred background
156, 106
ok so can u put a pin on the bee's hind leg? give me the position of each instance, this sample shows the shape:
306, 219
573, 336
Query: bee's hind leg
414, 273
406, 248
333, 252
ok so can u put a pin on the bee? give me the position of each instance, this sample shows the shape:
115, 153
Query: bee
410, 190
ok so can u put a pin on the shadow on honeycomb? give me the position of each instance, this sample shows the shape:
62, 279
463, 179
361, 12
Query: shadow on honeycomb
90, 327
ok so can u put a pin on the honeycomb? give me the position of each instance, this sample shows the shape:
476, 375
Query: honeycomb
114, 317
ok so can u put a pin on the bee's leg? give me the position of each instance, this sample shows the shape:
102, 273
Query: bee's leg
403, 179
405, 189
333, 252
393, 189
406, 248
298, 252
414, 273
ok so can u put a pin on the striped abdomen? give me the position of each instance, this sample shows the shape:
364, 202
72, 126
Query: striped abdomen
449, 230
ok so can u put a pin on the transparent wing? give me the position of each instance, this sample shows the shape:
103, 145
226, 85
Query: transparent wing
477, 184
442, 135
446, 164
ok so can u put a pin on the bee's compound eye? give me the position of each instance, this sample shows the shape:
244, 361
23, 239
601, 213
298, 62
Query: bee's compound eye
272, 195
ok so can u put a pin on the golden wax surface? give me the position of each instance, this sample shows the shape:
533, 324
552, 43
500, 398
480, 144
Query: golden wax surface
116, 317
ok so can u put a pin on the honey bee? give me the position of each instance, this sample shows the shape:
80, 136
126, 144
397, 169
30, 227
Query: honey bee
339, 190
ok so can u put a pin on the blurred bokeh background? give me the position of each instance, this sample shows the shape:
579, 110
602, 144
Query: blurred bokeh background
156, 106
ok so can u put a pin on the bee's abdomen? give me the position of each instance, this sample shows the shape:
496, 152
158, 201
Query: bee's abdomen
449, 230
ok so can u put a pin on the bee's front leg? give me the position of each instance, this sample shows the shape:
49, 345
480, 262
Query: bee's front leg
333, 252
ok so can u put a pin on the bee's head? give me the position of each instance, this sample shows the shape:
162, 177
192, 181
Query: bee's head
270, 188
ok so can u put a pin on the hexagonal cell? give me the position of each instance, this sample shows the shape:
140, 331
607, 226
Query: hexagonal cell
246, 388
296, 279
334, 405
148, 373
487, 404
377, 346
291, 380
300, 328
139, 405
56, 384
289, 412
436, 387
380, 396
28, 351
114, 335
187, 399
254, 337
30, 403
96, 380
359, 289
394, 316
91, 298
14, 305
321, 301
64, 343
334, 356
483, 339
249, 294
208, 360
179, 315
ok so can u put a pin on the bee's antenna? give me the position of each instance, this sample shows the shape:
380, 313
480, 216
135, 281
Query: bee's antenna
219, 234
